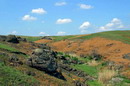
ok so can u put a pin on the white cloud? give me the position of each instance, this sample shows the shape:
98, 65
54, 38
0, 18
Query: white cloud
60, 3
84, 26
61, 33
114, 24
84, 6
29, 18
39, 11
43, 33
62, 21
13, 32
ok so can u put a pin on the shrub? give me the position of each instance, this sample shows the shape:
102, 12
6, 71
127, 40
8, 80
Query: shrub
106, 75
93, 63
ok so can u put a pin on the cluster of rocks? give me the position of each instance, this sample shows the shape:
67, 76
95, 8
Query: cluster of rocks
95, 55
14, 61
126, 56
69, 60
76, 72
78, 83
12, 39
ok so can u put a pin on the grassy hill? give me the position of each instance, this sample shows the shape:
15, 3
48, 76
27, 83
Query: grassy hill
123, 36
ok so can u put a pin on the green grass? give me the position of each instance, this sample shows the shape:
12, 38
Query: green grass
8, 48
12, 77
94, 83
123, 36
91, 70
32, 38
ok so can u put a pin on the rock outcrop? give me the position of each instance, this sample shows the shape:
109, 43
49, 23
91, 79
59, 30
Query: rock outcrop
11, 39
43, 59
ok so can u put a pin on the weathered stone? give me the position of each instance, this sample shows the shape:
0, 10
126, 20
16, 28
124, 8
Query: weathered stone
13, 59
12, 39
95, 55
43, 59
127, 56
22, 39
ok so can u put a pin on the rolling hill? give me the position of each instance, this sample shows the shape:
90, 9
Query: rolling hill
98, 59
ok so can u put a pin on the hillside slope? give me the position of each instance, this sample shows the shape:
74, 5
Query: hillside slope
99, 59
112, 45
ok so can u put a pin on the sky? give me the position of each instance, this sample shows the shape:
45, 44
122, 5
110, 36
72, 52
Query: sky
63, 17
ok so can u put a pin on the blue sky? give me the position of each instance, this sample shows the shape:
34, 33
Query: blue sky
63, 17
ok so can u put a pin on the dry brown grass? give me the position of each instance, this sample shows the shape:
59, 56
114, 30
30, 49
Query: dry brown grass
110, 49
106, 75
93, 63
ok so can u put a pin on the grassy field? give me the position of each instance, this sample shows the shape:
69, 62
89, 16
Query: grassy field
12, 77
8, 48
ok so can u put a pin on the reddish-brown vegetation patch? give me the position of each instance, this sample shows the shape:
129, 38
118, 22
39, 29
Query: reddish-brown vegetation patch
110, 49
43, 41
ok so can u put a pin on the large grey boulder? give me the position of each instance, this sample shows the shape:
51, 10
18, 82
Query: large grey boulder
43, 59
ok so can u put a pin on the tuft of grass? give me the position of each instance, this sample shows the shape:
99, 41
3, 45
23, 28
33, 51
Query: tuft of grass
12, 77
8, 48
106, 75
